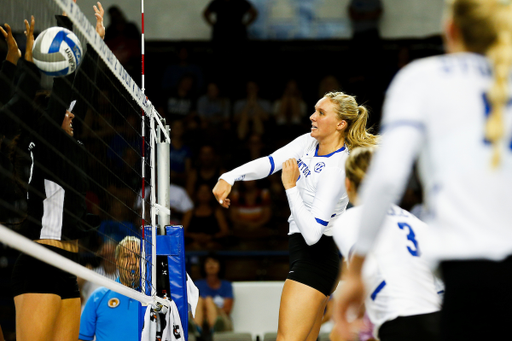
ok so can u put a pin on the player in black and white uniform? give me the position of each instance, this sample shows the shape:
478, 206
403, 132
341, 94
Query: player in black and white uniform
454, 113
313, 169
56, 210
401, 297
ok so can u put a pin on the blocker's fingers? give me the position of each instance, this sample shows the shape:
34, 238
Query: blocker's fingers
3, 32
8, 29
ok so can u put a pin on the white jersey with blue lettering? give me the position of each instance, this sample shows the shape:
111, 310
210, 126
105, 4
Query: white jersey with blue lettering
319, 197
436, 110
397, 278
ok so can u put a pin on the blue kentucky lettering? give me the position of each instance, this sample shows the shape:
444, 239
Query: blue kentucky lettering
303, 168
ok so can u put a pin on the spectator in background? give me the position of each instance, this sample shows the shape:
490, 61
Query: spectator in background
231, 19
365, 15
181, 154
118, 224
250, 212
98, 123
123, 38
290, 109
173, 73
181, 101
216, 298
328, 84
252, 112
109, 316
254, 148
205, 226
207, 170
128, 137
212, 108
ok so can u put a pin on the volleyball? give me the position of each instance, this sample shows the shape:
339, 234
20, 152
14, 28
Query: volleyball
57, 51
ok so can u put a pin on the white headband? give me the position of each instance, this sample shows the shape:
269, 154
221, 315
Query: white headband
72, 105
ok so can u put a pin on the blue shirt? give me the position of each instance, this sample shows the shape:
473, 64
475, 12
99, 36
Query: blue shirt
110, 316
218, 295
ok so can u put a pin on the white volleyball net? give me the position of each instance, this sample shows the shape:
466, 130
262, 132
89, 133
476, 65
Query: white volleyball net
110, 160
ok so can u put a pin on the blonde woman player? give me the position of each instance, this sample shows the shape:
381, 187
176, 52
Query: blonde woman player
313, 169
401, 298
454, 112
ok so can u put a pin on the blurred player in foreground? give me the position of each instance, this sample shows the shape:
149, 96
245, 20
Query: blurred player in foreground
452, 112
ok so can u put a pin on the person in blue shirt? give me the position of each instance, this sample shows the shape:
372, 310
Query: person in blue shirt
111, 316
216, 297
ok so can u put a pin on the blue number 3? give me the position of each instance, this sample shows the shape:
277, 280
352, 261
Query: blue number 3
412, 237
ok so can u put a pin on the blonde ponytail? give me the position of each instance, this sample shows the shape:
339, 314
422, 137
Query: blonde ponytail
357, 164
356, 116
486, 28
500, 54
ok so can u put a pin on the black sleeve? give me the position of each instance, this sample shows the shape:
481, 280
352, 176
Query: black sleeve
6, 78
19, 108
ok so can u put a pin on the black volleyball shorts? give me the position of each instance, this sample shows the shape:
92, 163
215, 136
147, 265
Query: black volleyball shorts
317, 265
32, 276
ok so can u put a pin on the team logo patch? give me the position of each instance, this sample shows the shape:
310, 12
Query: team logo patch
113, 302
319, 166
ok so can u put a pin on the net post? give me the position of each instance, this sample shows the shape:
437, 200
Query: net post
164, 181
152, 141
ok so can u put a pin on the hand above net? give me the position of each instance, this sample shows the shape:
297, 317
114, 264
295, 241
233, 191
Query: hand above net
29, 33
99, 12
13, 52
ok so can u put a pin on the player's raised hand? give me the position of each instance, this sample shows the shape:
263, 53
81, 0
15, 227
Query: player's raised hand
99, 12
290, 173
29, 32
221, 192
13, 52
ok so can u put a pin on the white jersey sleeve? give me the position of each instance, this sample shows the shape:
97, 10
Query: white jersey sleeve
403, 133
312, 223
266, 166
